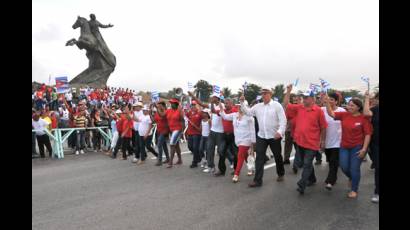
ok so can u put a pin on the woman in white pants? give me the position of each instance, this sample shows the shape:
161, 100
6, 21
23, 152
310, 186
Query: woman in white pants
114, 129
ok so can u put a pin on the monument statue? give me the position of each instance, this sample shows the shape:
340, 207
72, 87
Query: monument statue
101, 62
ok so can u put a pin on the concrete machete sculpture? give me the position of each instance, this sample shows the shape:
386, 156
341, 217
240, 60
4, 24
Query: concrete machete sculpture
101, 62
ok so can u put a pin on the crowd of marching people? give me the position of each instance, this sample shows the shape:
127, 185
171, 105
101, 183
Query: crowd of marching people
240, 133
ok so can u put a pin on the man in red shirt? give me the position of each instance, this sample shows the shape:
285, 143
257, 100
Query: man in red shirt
194, 133
309, 130
229, 139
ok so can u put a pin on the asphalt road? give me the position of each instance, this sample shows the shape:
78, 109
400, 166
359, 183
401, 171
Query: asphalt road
93, 191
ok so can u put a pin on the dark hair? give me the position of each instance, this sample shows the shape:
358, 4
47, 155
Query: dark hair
162, 103
334, 96
358, 103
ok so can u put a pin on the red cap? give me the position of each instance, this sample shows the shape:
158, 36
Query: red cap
174, 100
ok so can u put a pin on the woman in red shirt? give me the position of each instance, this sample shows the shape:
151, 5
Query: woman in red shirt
356, 131
163, 133
176, 123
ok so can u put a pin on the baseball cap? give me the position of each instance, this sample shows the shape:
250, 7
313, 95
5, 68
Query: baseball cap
309, 93
173, 100
138, 104
145, 107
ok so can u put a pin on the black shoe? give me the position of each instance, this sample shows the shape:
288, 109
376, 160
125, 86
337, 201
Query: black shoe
286, 162
295, 170
300, 189
218, 174
318, 162
193, 166
253, 184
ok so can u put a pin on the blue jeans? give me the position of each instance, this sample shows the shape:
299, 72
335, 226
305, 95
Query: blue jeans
350, 162
305, 159
202, 147
162, 146
193, 146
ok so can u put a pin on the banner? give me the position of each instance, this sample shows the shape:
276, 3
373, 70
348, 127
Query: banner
217, 89
62, 84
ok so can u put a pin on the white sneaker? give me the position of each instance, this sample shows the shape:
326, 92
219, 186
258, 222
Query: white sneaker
82, 151
328, 186
375, 198
134, 160
154, 158
231, 166
203, 164
77, 153
208, 170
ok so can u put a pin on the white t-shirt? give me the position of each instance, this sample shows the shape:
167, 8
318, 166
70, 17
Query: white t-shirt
144, 125
65, 114
216, 121
333, 130
68, 96
40, 125
205, 128
137, 115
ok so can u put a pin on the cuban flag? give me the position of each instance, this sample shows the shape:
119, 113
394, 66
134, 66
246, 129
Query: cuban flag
62, 84
245, 86
154, 96
315, 88
325, 85
217, 89
347, 99
190, 87
367, 80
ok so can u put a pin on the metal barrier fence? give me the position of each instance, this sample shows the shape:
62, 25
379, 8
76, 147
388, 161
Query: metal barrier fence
59, 139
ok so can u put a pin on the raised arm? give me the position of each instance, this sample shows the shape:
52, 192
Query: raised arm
366, 107
245, 109
199, 101
328, 107
104, 26
287, 95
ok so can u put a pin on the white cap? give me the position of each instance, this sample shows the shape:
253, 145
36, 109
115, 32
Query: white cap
138, 104
145, 107
216, 95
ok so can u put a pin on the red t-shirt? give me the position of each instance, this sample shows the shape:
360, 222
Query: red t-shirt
309, 123
228, 125
39, 94
196, 119
162, 124
127, 123
354, 129
174, 120
53, 122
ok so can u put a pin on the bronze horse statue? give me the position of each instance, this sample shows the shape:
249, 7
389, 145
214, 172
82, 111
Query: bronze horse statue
101, 61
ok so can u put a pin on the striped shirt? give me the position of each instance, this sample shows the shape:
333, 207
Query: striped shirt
80, 121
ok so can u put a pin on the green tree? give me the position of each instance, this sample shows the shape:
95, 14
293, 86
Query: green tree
252, 91
203, 90
226, 92
279, 92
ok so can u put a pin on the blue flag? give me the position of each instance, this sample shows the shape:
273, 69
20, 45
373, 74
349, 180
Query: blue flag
217, 89
154, 96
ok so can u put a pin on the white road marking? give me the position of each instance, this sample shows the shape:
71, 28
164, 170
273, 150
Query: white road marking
274, 164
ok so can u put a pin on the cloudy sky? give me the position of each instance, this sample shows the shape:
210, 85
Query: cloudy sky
160, 44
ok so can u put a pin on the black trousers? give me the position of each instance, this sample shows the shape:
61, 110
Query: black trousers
136, 143
44, 140
332, 156
230, 145
261, 147
33, 144
125, 144
145, 144
374, 148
